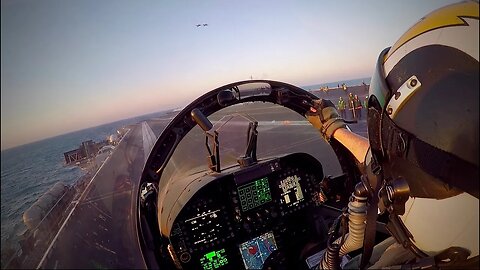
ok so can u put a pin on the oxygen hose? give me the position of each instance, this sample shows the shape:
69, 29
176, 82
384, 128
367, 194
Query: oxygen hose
357, 215
331, 260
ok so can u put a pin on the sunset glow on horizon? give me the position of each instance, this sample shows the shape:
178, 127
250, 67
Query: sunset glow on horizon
70, 65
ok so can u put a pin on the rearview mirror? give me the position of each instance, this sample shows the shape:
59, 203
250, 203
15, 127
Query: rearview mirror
242, 91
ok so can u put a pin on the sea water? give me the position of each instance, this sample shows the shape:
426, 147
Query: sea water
28, 171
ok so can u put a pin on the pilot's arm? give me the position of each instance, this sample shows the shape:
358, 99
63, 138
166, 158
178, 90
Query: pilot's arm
324, 117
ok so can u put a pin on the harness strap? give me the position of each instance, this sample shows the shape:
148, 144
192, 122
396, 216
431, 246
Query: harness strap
374, 181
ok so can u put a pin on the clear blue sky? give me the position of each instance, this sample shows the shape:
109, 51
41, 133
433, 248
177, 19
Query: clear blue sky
68, 65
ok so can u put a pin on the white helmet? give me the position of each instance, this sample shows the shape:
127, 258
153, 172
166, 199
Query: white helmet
423, 127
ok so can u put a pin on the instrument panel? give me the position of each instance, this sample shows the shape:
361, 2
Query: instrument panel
247, 214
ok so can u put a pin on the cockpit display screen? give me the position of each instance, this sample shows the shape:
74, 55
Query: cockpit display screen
291, 191
256, 251
205, 226
254, 194
214, 259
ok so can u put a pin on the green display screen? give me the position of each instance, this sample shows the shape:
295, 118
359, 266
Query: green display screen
214, 259
254, 194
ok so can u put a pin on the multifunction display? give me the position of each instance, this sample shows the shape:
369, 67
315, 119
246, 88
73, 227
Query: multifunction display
256, 251
205, 227
214, 259
254, 194
291, 191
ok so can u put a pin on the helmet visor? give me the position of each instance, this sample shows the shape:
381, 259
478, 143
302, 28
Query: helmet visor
377, 96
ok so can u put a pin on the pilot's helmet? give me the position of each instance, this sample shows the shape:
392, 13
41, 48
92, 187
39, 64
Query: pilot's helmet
423, 127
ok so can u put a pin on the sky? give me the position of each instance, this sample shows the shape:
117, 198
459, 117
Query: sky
68, 65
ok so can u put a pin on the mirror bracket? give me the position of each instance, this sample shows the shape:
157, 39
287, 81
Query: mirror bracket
213, 158
250, 157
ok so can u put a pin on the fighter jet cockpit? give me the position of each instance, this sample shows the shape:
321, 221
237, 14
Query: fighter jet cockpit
240, 180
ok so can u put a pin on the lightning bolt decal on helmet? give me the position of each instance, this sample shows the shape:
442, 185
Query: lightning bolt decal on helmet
423, 105
423, 124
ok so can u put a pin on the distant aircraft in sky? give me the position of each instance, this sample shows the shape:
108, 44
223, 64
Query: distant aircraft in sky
198, 25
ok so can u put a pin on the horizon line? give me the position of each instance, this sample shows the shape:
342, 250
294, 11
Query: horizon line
139, 115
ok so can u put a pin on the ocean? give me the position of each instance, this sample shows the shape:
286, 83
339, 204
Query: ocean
28, 171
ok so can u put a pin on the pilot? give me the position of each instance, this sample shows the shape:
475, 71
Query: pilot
421, 155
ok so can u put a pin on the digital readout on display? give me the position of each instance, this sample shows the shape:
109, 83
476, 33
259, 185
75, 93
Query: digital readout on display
214, 259
291, 191
205, 226
256, 251
254, 194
